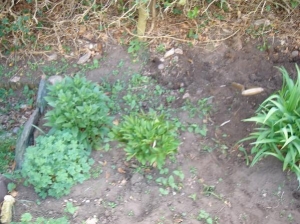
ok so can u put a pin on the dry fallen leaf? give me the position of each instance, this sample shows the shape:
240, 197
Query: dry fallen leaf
123, 182
14, 193
227, 203
178, 220
13, 166
103, 163
116, 122
15, 79
120, 170
93, 220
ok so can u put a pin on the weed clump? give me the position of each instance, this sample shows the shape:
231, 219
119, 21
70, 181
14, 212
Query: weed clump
80, 106
55, 164
148, 138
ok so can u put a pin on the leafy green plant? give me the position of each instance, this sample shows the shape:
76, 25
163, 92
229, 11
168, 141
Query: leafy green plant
70, 208
193, 196
205, 216
193, 13
27, 218
194, 128
11, 186
148, 138
278, 131
7, 154
134, 46
201, 108
263, 47
79, 105
55, 164
161, 48
172, 181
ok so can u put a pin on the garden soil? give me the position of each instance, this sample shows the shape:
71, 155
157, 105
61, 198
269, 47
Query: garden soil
217, 179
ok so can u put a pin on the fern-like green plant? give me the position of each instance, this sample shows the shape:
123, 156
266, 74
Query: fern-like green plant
278, 121
148, 138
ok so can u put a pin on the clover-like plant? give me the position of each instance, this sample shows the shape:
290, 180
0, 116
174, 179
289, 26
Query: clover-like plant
81, 106
148, 138
278, 131
55, 164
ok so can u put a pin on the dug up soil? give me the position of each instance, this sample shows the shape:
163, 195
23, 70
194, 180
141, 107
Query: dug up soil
217, 180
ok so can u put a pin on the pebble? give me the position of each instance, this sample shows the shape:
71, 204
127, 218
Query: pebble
161, 66
91, 46
169, 53
54, 79
52, 57
178, 51
84, 58
186, 95
15, 130
264, 22
295, 54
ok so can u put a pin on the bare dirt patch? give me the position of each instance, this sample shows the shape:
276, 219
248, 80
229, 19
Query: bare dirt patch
217, 179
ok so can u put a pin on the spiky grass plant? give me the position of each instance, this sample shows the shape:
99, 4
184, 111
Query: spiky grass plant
278, 121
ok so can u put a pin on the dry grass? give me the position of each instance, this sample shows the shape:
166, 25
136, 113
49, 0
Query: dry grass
69, 27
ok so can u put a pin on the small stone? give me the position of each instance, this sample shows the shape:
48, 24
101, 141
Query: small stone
15, 79
161, 66
295, 54
84, 58
93, 220
162, 59
178, 51
169, 53
52, 57
24, 106
15, 130
91, 46
264, 22
54, 79
87, 201
186, 95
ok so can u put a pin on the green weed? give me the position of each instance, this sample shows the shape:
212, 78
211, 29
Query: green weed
62, 162
206, 217
27, 218
202, 108
79, 105
193, 13
148, 138
70, 208
135, 46
7, 153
